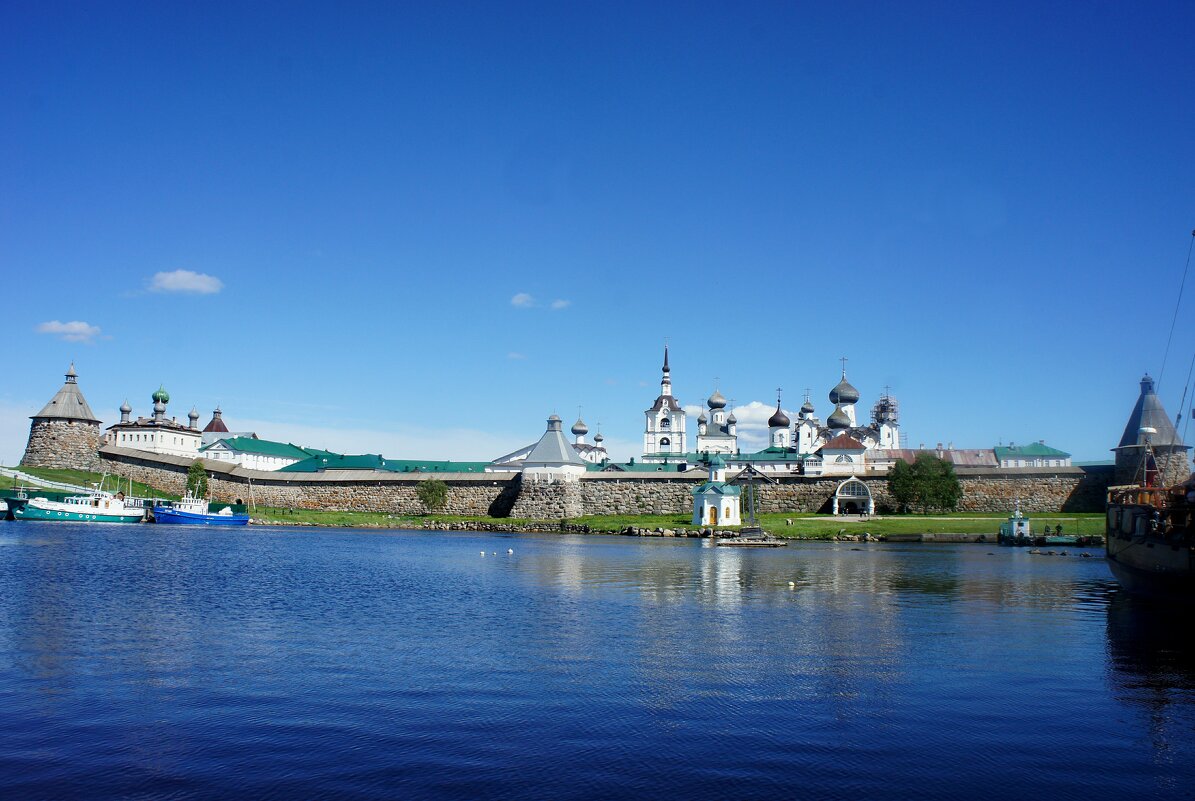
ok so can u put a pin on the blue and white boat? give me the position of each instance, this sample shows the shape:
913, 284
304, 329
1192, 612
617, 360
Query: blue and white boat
191, 511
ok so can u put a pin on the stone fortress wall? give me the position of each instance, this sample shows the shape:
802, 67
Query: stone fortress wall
1069, 489
63, 444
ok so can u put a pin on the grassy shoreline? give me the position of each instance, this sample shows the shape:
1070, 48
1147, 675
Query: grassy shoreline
792, 525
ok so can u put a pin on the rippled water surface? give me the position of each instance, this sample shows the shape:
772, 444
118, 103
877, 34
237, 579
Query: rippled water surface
162, 662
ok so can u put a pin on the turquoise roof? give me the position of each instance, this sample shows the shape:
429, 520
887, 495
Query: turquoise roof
718, 488
637, 467
325, 460
1033, 450
263, 447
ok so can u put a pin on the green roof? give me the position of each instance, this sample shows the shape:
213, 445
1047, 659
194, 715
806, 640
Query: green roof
427, 466
720, 487
325, 460
1033, 450
637, 467
264, 447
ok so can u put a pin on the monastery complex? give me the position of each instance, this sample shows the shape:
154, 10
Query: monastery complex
838, 464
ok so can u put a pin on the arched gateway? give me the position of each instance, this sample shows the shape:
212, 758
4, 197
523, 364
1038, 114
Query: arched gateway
853, 497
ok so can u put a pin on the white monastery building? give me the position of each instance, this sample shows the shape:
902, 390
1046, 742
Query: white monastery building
157, 434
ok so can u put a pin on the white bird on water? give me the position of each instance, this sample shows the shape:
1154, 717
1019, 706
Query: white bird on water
483, 553
510, 550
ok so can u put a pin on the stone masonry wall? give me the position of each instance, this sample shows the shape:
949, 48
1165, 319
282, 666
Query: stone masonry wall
391, 493
555, 501
62, 444
1173, 464
995, 491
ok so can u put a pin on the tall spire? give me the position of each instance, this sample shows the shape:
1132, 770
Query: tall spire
666, 380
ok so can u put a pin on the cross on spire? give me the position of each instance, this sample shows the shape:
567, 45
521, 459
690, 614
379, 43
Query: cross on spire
844, 361
778, 391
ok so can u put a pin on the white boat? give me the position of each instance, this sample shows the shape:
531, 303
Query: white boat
95, 507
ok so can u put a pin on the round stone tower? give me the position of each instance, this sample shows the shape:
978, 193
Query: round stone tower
65, 433
1149, 431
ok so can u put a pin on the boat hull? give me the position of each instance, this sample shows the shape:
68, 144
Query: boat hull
34, 511
1144, 560
178, 517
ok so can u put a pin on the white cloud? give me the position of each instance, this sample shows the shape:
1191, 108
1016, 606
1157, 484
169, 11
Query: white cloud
74, 331
514, 354
559, 304
186, 281
522, 301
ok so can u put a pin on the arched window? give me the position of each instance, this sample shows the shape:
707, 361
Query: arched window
843, 459
665, 423
665, 442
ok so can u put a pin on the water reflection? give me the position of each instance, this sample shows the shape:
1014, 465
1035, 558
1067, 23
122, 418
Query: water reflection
574, 667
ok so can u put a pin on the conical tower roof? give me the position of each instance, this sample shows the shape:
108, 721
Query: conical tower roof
553, 448
1148, 413
68, 403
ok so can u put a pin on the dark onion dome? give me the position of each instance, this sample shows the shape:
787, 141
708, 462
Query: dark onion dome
779, 419
732, 419
807, 407
193, 415
125, 408
844, 393
598, 438
716, 401
701, 418
579, 427
161, 395
838, 419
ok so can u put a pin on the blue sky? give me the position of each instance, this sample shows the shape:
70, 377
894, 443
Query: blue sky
987, 208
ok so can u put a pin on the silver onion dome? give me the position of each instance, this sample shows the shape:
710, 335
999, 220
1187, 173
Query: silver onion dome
844, 393
838, 419
716, 401
579, 427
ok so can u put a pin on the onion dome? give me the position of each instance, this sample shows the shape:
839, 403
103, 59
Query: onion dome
159, 407
598, 438
193, 414
807, 407
779, 419
732, 419
838, 419
844, 392
701, 418
716, 401
125, 408
161, 396
579, 427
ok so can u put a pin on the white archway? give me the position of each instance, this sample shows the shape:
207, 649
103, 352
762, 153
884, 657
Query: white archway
853, 493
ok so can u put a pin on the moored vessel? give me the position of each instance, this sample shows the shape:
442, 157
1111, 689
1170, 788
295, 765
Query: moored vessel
193, 511
1150, 542
95, 507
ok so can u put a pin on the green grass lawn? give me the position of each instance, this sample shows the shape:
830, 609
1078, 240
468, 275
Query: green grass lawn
804, 526
84, 478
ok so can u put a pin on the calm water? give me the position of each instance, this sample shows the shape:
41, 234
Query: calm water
158, 662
